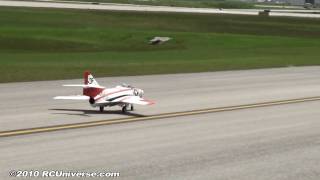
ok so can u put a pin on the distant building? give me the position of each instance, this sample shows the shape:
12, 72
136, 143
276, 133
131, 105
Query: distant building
302, 2
293, 2
296, 2
314, 2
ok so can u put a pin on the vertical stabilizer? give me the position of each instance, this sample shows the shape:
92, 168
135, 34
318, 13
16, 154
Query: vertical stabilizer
89, 79
95, 88
85, 77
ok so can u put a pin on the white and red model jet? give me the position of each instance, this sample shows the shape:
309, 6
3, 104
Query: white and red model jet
98, 96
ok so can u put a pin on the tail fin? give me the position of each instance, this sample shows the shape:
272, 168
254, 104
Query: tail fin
89, 79
94, 88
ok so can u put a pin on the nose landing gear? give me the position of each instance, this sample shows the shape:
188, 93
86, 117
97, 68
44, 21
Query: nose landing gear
125, 108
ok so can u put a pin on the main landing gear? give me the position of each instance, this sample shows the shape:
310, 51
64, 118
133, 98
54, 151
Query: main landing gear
125, 108
101, 108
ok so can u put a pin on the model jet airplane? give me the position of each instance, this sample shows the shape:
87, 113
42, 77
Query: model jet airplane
124, 96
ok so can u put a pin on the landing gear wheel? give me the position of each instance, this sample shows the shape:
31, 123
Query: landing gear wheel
101, 108
131, 107
124, 109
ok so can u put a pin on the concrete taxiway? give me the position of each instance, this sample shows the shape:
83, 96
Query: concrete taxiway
147, 8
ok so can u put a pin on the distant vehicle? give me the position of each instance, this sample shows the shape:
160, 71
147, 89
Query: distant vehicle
265, 12
123, 95
308, 6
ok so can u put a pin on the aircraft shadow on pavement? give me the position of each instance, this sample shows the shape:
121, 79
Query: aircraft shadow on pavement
91, 112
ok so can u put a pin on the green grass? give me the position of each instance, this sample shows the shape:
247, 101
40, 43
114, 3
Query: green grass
47, 44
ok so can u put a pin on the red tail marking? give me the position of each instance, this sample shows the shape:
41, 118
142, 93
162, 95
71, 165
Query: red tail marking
92, 92
85, 77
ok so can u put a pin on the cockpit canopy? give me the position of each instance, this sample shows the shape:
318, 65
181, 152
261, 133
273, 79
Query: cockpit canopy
136, 91
126, 85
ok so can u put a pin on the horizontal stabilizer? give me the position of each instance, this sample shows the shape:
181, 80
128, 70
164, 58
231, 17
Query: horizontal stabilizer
74, 85
77, 97
84, 86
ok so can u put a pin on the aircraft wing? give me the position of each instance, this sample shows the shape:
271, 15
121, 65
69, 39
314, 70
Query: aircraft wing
135, 100
77, 97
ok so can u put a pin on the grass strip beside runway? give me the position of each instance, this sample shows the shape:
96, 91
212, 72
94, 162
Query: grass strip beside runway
48, 44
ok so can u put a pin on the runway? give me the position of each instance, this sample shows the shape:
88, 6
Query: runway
18, 132
147, 8
274, 142
30, 104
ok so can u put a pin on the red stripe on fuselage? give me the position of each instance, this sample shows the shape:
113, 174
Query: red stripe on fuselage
113, 93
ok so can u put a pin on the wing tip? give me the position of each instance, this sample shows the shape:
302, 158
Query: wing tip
150, 102
56, 97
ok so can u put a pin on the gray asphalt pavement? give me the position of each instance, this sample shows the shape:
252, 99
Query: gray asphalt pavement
273, 143
30, 104
147, 8
278, 142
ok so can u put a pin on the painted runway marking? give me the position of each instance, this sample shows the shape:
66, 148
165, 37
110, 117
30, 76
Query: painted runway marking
152, 117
